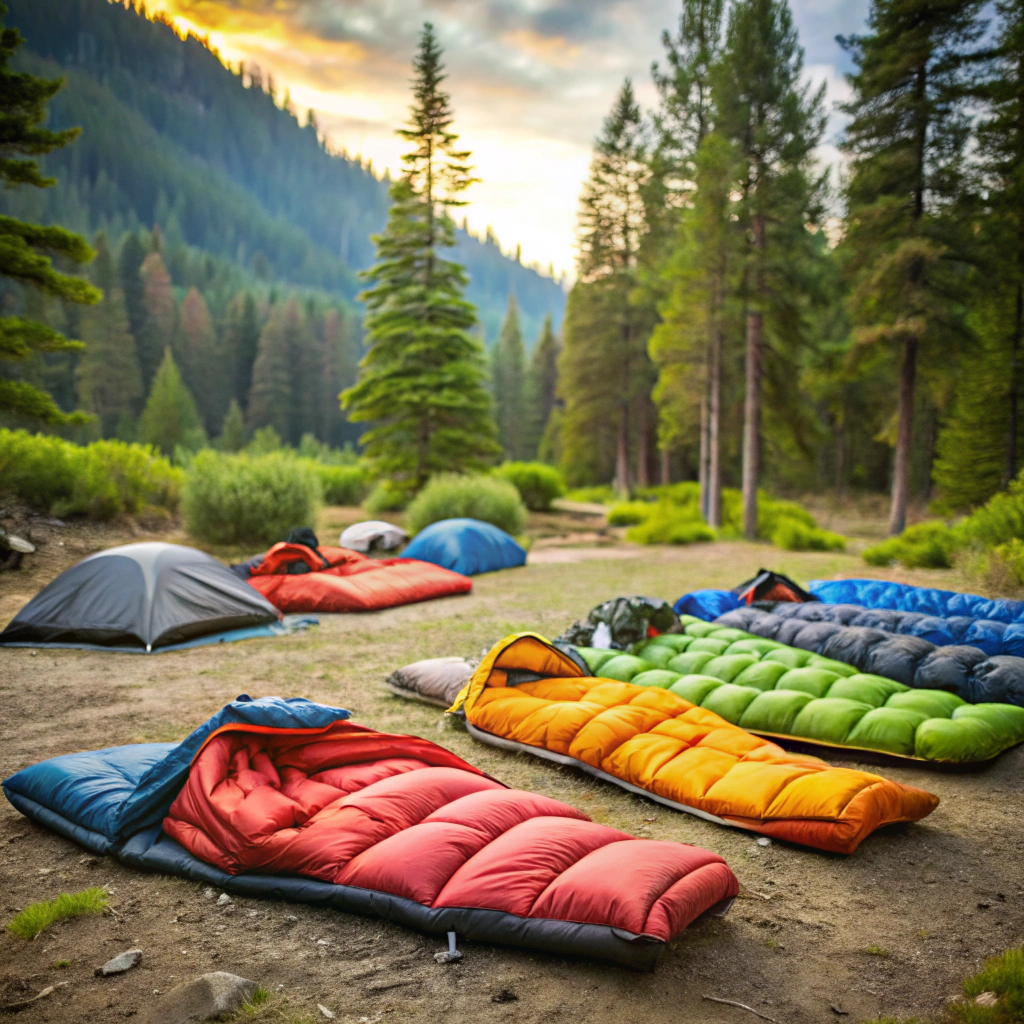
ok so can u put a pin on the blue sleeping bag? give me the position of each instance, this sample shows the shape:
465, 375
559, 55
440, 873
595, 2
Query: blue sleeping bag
467, 546
905, 598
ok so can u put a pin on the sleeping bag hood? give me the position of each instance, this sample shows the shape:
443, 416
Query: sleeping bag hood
139, 597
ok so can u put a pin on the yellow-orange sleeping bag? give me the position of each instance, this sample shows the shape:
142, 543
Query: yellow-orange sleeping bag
528, 695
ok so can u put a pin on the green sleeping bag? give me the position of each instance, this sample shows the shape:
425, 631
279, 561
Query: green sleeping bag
783, 692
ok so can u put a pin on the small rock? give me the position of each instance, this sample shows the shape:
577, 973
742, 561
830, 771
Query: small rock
446, 957
322, 942
208, 893
45, 871
763, 841
223, 900
122, 962
291, 918
209, 995
986, 999
839, 1011
984, 905
506, 995
323, 1009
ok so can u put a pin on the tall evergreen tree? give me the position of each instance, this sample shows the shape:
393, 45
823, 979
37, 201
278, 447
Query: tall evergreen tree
232, 431
541, 388
130, 258
203, 365
690, 361
906, 139
604, 371
241, 343
159, 331
26, 249
774, 121
108, 378
270, 398
422, 380
171, 418
508, 370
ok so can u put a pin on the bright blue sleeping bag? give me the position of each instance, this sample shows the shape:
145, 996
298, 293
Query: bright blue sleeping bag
467, 546
905, 598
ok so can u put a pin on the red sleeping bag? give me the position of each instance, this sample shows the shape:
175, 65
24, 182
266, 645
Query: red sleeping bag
429, 838
296, 578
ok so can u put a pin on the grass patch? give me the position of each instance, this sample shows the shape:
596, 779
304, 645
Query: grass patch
60, 965
33, 919
266, 1008
1000, 987
877, 951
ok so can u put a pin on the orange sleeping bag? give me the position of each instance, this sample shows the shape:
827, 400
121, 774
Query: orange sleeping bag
528, 695
296, 578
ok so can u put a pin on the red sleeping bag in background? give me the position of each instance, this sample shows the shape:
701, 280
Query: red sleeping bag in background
296, 578
434, 840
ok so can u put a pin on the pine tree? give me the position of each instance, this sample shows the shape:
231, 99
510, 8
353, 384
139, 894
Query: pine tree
130, 258
203, 365
26, 249
159, 331
694, 266
906, 144
232, 431
241, 343
270, 397
422, 380
171, 418
774, 122
108, 378
508, 371
604, 370
541, 388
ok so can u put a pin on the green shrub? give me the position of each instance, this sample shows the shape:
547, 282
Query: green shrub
311, 448
100, 480
669, 524
537, 483
451, 496
629, 513
385, 497
242, 499
999, 520
603, 495
341, 485
264, 441
33, 919
923, 546
793, 535
686, 493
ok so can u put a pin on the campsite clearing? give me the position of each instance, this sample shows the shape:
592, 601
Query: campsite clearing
938, 896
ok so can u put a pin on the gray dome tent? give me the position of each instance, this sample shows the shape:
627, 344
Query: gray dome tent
140, 597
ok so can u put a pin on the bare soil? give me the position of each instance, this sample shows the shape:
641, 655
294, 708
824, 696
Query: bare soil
892, 929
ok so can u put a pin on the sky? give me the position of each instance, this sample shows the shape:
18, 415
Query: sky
530, 82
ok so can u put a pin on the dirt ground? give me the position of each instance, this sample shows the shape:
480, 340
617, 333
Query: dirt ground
892, 929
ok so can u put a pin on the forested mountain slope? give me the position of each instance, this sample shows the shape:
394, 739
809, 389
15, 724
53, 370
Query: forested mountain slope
173, 137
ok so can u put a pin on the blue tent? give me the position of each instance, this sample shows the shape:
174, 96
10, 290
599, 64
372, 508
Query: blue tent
468, 546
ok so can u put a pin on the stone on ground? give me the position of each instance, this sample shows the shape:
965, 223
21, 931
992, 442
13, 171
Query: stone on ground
122, 962
204, 997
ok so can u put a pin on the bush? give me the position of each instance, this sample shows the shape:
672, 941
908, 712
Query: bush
669, 524
924, 546
793, 535
384, 498
451, 496
242, 499
603, 495
100, 480
999, 520
686, 493
341, 485
629, 513
34, 918
537, 483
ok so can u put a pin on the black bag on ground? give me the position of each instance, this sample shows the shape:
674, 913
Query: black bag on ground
814, 635
852, 645
999, 679
622, 622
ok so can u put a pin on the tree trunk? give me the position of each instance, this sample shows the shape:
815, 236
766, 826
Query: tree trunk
666, 469
1011, 441
904, 435
713, 515
702, 457
752, 425
643, 477
622, 455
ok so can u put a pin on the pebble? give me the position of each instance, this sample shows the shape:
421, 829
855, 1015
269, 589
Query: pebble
763, 841
122, 962
323, 1009
208, 893
223, 900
